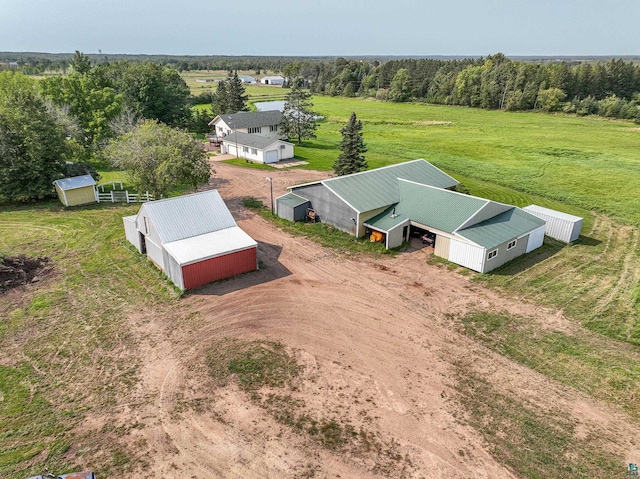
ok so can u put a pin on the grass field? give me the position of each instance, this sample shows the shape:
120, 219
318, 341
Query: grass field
255, 92
587, 162
67, 349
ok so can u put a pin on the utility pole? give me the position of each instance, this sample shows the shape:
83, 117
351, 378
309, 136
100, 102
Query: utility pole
271, 188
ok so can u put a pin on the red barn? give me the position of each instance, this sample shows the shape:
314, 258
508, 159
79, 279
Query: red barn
192, 238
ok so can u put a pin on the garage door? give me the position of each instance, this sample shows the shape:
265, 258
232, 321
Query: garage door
271, 156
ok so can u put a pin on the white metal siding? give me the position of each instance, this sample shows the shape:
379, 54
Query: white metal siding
394, 237
467, 255
131, 232
155, 253
536, 237
173, 270
560, 226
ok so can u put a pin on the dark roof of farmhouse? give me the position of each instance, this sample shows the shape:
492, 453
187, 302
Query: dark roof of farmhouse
250, 119
247, 139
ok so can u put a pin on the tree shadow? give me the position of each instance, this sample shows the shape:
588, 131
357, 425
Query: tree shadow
270, 269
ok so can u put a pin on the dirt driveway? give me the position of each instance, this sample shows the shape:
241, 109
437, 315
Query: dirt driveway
379, 350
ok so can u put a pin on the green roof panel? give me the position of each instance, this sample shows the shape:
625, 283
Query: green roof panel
440, 209
292, 200
373, 189
501, 228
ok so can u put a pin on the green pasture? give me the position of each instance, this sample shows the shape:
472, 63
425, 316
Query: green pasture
587, 162
67, 348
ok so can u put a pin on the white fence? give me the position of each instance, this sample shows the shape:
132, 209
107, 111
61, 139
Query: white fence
119, 196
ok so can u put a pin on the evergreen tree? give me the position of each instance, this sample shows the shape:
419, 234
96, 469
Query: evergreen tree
352, 149
220, 103
237, 97
81, 63
298, 120
230, 95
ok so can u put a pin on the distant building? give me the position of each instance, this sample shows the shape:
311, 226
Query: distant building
270, 105
247, 79
273, 80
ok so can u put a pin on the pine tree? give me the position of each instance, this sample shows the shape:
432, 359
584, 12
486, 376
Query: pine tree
221, 99
352, 149
298, 120
237, 97
230, 95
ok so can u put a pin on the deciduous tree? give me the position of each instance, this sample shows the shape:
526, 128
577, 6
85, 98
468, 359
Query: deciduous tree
158, 158
352, 149
32, 144
400, 89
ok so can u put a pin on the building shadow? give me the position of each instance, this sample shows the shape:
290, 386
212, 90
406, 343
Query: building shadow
270, 269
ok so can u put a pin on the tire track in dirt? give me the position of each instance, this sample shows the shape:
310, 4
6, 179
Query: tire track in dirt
379, 350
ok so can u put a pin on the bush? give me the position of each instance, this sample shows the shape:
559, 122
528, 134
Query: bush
80, 169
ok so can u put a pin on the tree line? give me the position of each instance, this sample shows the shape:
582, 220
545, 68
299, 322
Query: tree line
497, 82
39, 63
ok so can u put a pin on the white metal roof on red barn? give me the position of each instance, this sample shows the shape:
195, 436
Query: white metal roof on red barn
209, 245
189, 215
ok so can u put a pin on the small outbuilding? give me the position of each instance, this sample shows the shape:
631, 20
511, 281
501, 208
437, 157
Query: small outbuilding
272, 80
561, 226
247, 79
292, 207
260, 149
192, 238
78, 190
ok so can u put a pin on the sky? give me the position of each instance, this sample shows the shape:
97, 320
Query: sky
323, 27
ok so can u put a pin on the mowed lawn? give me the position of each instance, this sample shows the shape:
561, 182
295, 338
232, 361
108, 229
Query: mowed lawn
66, 346
588, 162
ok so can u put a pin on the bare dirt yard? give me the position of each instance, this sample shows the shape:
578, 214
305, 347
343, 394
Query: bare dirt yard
375, 392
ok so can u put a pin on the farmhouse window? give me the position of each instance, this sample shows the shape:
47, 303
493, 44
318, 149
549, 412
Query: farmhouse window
254, 151
256, 129
492, 254
273, 128
245, 149
512, 244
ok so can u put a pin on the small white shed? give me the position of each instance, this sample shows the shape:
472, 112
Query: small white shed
560, 226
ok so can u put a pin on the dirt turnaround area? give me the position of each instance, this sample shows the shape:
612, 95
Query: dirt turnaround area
379, 357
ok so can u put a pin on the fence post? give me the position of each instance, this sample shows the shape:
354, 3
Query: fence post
127, 193
113, 200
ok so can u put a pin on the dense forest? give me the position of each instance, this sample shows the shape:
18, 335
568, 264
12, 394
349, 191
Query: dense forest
609, 89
